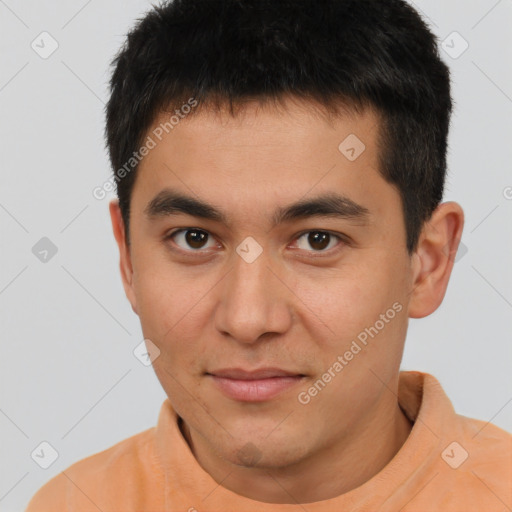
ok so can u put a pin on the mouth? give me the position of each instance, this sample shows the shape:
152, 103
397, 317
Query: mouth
256, 385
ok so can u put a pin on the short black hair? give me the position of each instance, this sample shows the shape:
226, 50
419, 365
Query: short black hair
358, 53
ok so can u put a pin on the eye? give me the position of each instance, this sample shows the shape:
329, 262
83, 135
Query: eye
192, 237
318, 240
195, 240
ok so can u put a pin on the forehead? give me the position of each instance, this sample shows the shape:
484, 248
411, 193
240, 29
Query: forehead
266, 123
265, 157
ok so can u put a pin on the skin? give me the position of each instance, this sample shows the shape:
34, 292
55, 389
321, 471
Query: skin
210, 309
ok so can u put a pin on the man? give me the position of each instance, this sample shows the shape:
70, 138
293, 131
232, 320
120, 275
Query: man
280, 170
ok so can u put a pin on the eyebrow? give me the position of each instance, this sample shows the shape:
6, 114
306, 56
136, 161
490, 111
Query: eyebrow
171, 202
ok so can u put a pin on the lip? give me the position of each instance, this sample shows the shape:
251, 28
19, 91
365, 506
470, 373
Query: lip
255, 385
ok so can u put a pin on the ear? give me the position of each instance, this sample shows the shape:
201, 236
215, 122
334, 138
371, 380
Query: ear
125, 263
434, 258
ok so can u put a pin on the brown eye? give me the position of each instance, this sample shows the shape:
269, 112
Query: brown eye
190, 238
318, 240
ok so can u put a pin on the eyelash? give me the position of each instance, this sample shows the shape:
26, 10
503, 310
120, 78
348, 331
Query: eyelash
342, 238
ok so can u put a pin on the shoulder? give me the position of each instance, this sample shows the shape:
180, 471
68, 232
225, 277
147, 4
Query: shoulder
485, 452
485, 439
93, 481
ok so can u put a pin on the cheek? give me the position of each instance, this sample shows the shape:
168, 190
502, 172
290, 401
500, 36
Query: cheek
171, 305
362, 303
342, 300
162, 290
158, 304
169, 315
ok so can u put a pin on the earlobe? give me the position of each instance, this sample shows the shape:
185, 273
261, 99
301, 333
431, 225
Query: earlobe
434, 258
125, 262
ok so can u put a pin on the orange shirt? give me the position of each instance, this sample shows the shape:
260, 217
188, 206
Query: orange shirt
448, 463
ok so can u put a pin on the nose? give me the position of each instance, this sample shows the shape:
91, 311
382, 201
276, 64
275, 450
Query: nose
253, 301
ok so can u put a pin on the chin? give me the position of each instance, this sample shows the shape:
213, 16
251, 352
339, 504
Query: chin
264, 453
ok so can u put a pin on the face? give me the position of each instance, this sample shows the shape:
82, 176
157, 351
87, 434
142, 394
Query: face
316, 296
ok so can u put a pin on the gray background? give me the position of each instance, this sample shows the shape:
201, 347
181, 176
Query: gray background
68, 373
